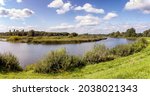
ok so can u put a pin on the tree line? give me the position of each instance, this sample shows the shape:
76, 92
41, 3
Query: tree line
130, 33
36, 33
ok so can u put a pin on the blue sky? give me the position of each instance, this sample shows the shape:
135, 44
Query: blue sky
81, 16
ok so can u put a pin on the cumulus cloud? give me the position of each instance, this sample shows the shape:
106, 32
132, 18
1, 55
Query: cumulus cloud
61, 6
56, 4
88, 20
89, 8
65, 8
143, 5
110, 16
2, 2
84, 24
15, 13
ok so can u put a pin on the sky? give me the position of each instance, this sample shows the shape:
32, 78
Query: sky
81, 16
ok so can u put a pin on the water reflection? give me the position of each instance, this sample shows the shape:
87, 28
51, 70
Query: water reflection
30, 53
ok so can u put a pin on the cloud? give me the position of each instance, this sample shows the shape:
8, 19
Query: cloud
61, 6
143, 5
89, 8
63, 26
19, 1
2, 2
110, 16
65, 8
6, 28
84, 24
88, 20
56, 4
15, 13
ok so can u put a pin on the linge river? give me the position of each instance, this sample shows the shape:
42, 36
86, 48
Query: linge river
31, 53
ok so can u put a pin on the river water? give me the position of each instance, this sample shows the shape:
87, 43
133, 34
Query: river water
31, 53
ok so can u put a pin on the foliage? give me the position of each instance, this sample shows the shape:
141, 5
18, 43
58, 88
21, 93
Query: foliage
74, 34
58, 61
128, 49
146, 33
9, 63
136, 66
13, 38
98, 54
130, 32
34, 33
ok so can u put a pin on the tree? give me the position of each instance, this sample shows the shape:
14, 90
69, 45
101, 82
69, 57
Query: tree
146, 33
31, 33
130, 32
74, 34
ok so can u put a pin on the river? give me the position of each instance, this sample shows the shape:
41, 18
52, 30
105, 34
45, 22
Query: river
31, 53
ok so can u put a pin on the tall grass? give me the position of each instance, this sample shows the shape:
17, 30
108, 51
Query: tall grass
128, 49
58, 61
8, 63
100, 53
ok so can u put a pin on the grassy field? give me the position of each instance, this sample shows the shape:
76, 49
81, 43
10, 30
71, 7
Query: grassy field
54, 39
133, 66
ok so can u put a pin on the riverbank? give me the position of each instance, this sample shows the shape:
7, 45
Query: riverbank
133, 66
54, 39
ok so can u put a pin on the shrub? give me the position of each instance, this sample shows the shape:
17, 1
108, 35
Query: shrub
13, 38
9, 63
58, 61
122, 50
128, 49
98, 54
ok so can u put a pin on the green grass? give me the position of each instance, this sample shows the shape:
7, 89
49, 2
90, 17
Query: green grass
54, 39
136, 66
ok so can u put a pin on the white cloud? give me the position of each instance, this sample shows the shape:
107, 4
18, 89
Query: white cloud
84, 24
65, 8
6, 28
15, 13
61, 6
89, 8
2, 2
56, 4
143, 5
63, 26
110, 16
19, 1
88, 20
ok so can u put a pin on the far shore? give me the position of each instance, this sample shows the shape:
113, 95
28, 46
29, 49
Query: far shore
52, 39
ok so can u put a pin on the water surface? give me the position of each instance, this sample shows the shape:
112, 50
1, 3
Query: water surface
31, 53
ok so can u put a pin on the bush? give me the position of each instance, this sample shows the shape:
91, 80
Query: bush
9, 63
128, 49
98, 54
58, 61
122, 50
13, 38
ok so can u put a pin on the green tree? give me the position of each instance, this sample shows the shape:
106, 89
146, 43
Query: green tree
74, 34
146, 33
31, 33
130, 33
